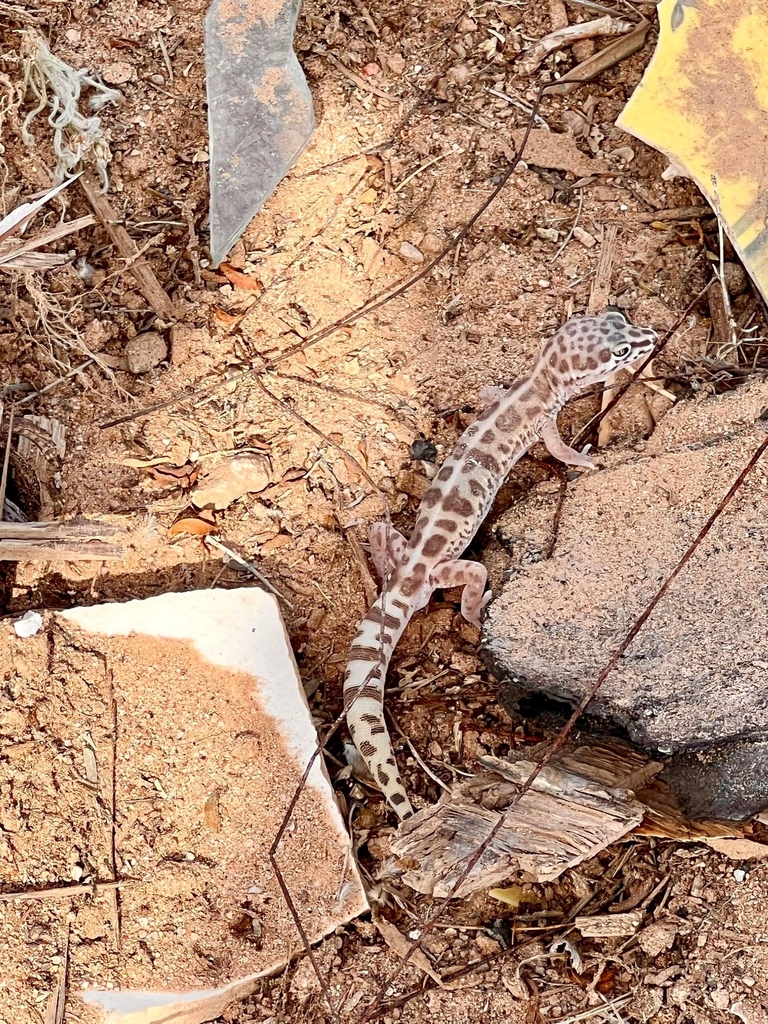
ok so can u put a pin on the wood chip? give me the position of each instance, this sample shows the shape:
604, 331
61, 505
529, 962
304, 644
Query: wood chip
601, 926
400, 944
559, 152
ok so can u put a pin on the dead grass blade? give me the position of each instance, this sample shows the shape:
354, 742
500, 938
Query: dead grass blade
22, 255
57, 1003
601, 61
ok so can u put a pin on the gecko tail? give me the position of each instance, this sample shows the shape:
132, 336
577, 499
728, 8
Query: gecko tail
365, 721
364, 702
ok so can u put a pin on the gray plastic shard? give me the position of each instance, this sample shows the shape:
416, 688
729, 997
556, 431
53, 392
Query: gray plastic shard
260, 113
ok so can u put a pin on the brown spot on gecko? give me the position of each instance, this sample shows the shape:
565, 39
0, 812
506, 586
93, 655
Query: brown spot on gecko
400, 605
476, 489
381, 775
553, 359
370, 719
488, 437
605, 355
563, 367
369, 692
458, 451
434, 545
449, 525
367, 749
432, 497
378, 730
485, 459
445, 473
592, 363
484, 414
375, 615
509, 421
454, 502
398, 798
358, 653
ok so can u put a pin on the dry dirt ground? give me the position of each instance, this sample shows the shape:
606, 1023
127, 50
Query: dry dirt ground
394, 390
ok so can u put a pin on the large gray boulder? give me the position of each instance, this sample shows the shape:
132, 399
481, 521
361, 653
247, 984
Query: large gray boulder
693, 686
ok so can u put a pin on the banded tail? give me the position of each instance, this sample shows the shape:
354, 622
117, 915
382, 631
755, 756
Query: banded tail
369, 659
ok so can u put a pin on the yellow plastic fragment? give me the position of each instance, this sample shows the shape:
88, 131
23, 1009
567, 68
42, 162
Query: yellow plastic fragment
703, 102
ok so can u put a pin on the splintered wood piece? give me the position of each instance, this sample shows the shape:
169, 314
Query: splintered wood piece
578, 805
604, 926
584, 799
568, 34
82, 528
57, 550
601, 286
151, 289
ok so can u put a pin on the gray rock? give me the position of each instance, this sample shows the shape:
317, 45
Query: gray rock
145, 352
694, 683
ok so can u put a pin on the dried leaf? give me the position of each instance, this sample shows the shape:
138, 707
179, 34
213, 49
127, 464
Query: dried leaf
211, 811
226, 319
244, 282
515, 895
191, 525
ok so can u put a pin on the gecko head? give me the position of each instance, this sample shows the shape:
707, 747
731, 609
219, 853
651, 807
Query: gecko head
588, 349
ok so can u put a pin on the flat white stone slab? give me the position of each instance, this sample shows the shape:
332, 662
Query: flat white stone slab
213, 735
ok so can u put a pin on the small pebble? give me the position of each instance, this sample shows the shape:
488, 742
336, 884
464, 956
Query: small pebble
145, 352
29, 624
625, 153
544, 283
157, 80
721, 1000
409, 252
584, 237
466, 24
548, 234
117, 73
739, 874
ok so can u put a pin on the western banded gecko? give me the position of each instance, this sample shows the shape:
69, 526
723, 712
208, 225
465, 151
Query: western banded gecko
585, 351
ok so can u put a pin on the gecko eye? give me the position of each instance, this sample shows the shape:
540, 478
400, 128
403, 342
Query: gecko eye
622, 350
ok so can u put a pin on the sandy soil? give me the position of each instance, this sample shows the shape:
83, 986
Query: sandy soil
334, 234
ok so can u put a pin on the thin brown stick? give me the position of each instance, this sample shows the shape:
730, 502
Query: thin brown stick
57, 1003
676, 213
114, 894
151, 289
358, 81
6, 458
60, 891
279, 875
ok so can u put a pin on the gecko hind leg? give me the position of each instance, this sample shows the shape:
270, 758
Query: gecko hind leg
387, 547
472, 576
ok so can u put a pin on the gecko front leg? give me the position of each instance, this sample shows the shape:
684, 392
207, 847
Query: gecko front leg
460, 572
557, 447
387, 547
